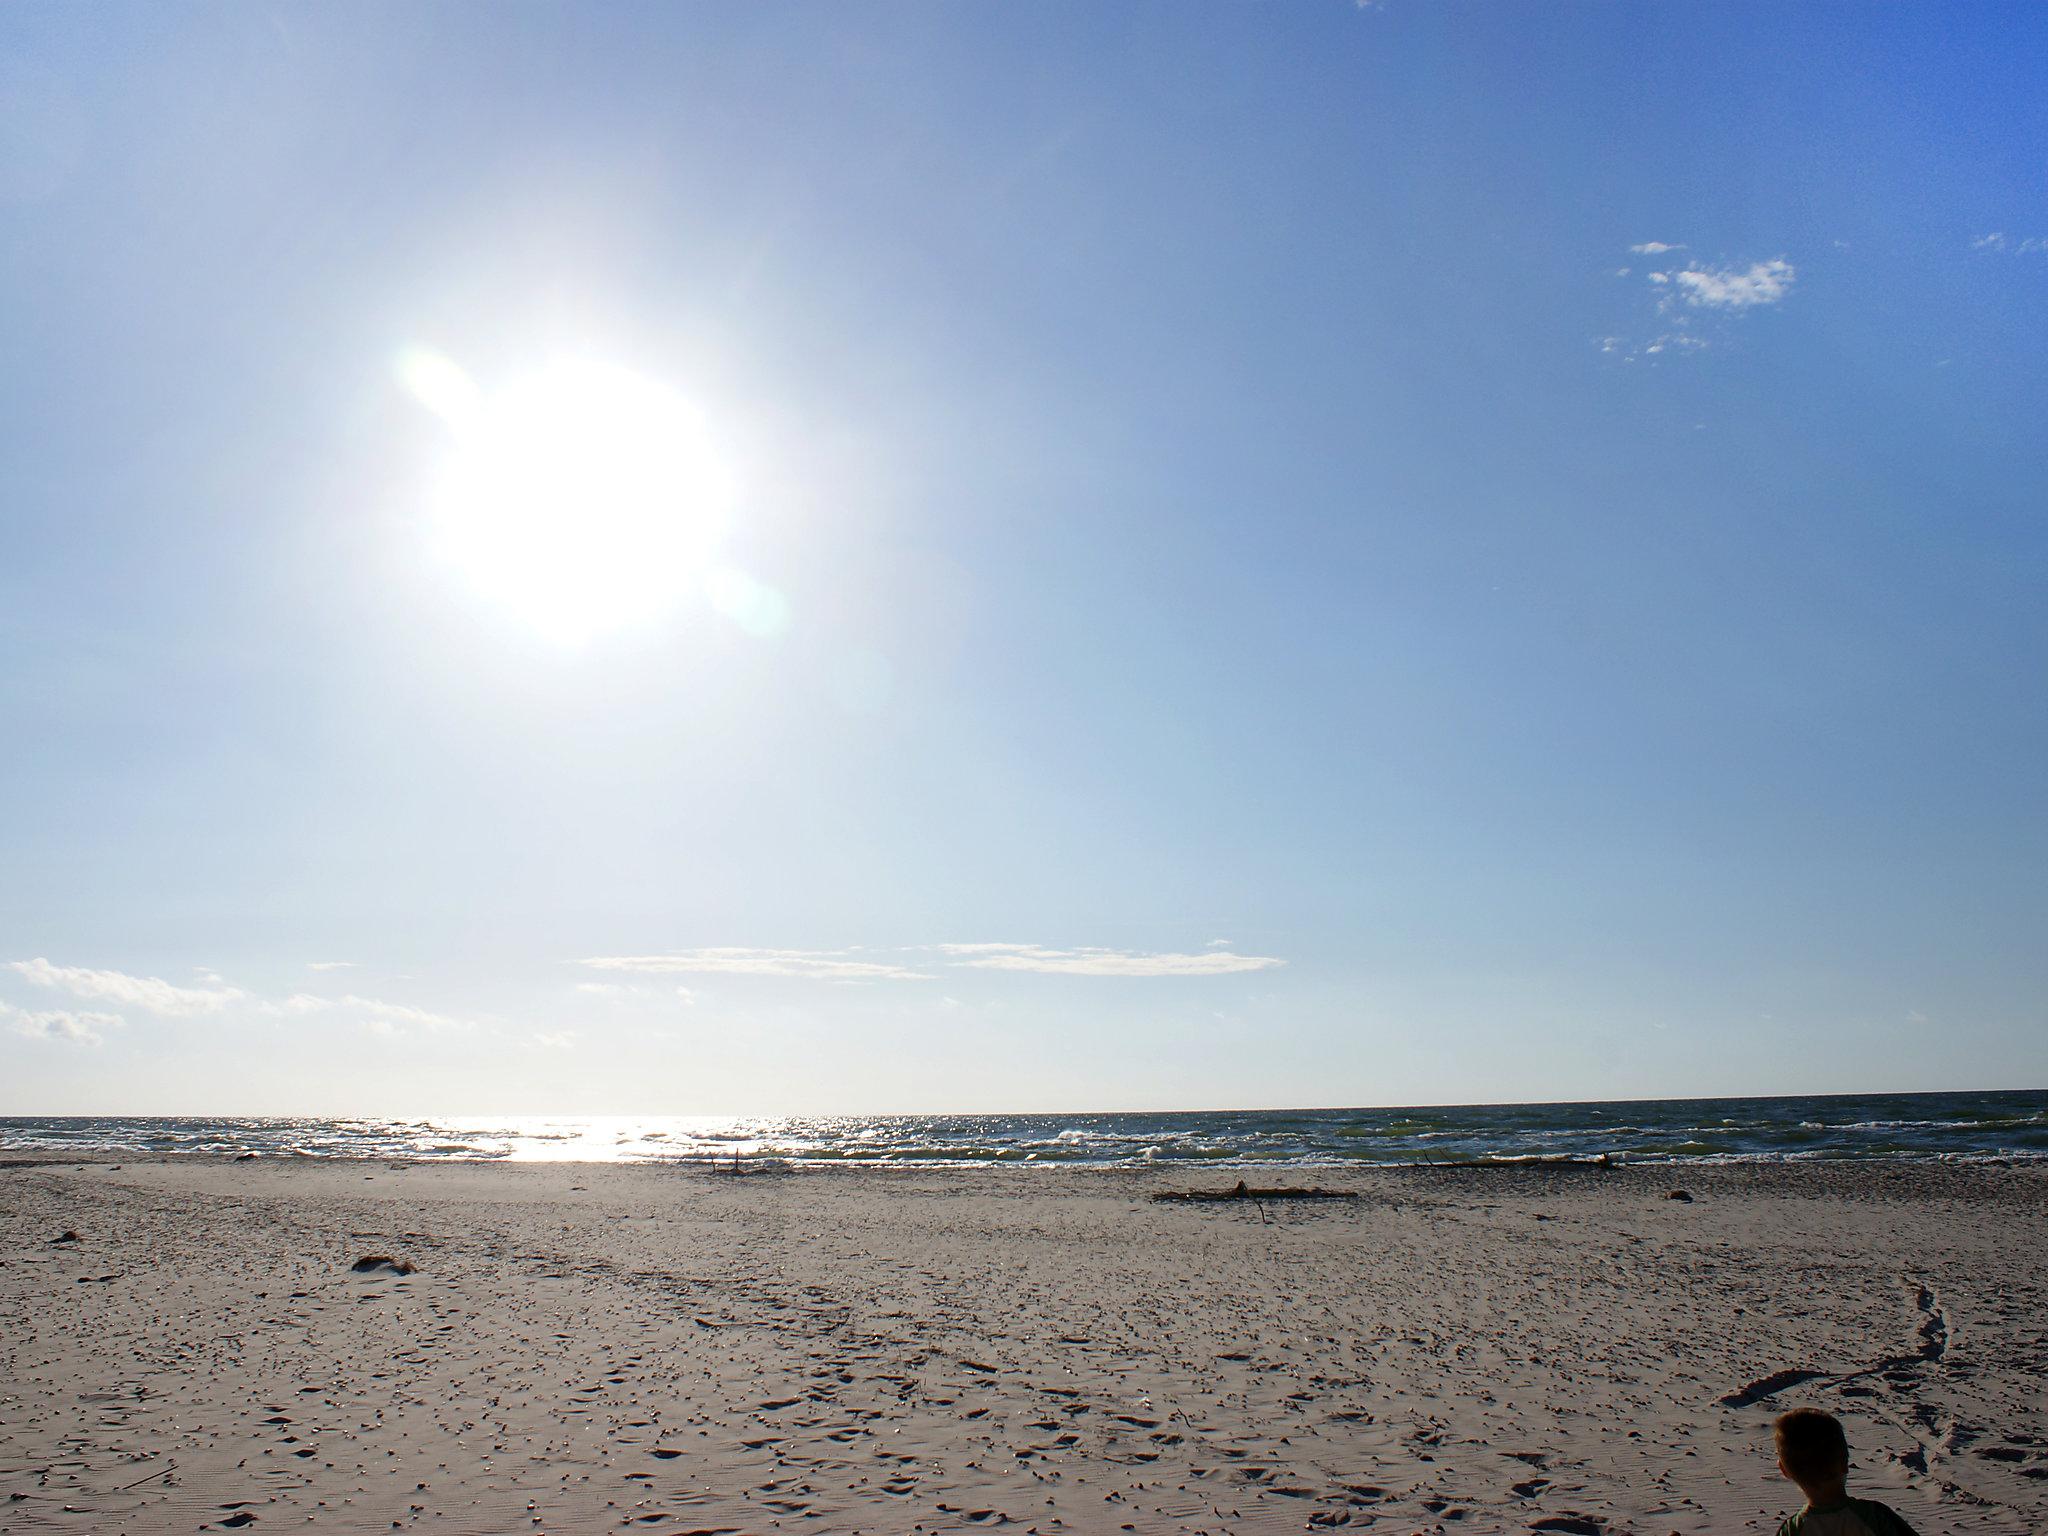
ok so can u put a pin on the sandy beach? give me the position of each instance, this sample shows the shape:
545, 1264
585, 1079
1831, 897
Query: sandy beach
589, 1348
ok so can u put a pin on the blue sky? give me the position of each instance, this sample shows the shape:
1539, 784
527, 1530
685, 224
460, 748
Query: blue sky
1250, 555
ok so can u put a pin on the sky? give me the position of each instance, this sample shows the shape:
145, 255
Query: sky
753, 558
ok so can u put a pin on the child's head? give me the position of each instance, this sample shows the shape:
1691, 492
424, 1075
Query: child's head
1812, 1450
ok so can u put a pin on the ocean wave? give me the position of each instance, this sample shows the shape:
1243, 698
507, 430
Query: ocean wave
1871, 1126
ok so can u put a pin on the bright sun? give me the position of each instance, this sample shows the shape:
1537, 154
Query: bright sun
581, 498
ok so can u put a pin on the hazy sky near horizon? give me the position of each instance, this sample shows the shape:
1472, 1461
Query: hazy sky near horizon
644, 558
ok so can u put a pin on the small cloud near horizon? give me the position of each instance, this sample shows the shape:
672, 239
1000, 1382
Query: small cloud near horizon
384, 1018
59, 1024
619, 992
394, 1014
1105, 962
733, 960
842, 965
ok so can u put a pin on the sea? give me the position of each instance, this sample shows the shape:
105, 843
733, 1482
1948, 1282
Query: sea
1968, 1126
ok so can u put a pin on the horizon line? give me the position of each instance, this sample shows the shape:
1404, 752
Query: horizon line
1328, 1109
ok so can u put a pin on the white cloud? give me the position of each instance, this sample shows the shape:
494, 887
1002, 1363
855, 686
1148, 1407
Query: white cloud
1762, 282
820, 965
2031, 245
621, 992
59, 1024
148, 993
153, 995
330, 965
387, 1018
836, 965
1107, 962
1685, 297
558, 1040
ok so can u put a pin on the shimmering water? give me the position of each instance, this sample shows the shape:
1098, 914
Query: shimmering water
1951, 1125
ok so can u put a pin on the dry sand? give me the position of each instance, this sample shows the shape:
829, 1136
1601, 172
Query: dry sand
607, 1349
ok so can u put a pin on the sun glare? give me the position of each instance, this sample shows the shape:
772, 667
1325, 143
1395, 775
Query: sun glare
582, 498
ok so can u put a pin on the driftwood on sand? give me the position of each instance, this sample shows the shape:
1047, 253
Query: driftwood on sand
1509, 1164
1244, 1191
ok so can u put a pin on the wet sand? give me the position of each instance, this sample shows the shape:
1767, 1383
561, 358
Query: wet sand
659, 1350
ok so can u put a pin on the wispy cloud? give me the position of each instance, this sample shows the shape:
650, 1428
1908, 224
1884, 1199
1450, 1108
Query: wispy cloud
2030, 245
1654, 248
149, 993
627, 992
1105, 962
383, 1016
556, 1040
1217, 959
819, 965
614, 990
1762, 282
330, 965
389, 1017
59, 1024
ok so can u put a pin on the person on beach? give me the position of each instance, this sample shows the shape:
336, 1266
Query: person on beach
1814, 1453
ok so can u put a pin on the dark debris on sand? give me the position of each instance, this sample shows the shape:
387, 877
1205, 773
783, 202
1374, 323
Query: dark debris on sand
1244, 1191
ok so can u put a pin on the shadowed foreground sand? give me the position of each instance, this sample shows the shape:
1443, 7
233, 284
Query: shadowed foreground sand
596, 1349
